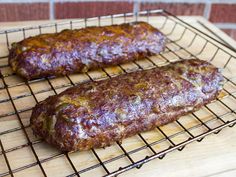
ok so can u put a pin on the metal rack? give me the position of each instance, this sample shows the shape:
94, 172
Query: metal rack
182, 42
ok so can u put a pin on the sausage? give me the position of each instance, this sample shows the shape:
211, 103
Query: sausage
80, 50
97, 114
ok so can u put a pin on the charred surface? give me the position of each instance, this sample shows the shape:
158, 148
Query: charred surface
97, 114
80, 50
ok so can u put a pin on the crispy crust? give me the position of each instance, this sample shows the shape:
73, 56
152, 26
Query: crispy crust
80, 50
97, 114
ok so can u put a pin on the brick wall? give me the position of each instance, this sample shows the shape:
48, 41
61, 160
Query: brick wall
221, 12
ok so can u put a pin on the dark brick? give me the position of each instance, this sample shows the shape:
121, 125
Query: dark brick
223, 13
230, 32
176, 8
90, 9
24, 11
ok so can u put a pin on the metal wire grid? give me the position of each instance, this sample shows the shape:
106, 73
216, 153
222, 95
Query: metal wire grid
174, 51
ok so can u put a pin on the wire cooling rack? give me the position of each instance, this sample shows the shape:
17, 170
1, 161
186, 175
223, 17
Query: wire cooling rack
23, 153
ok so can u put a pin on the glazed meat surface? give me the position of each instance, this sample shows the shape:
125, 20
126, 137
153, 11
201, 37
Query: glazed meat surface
97, 114
80, 50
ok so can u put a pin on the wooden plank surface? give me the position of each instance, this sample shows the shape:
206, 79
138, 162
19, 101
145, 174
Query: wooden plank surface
215, 156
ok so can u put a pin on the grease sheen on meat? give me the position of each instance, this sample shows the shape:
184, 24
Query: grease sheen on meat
97, 114
79, 50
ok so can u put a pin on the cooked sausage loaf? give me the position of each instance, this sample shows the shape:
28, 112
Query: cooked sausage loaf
79, 50
97, 114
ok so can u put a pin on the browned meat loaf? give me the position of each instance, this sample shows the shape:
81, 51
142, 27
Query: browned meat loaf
97, 114
79, 50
